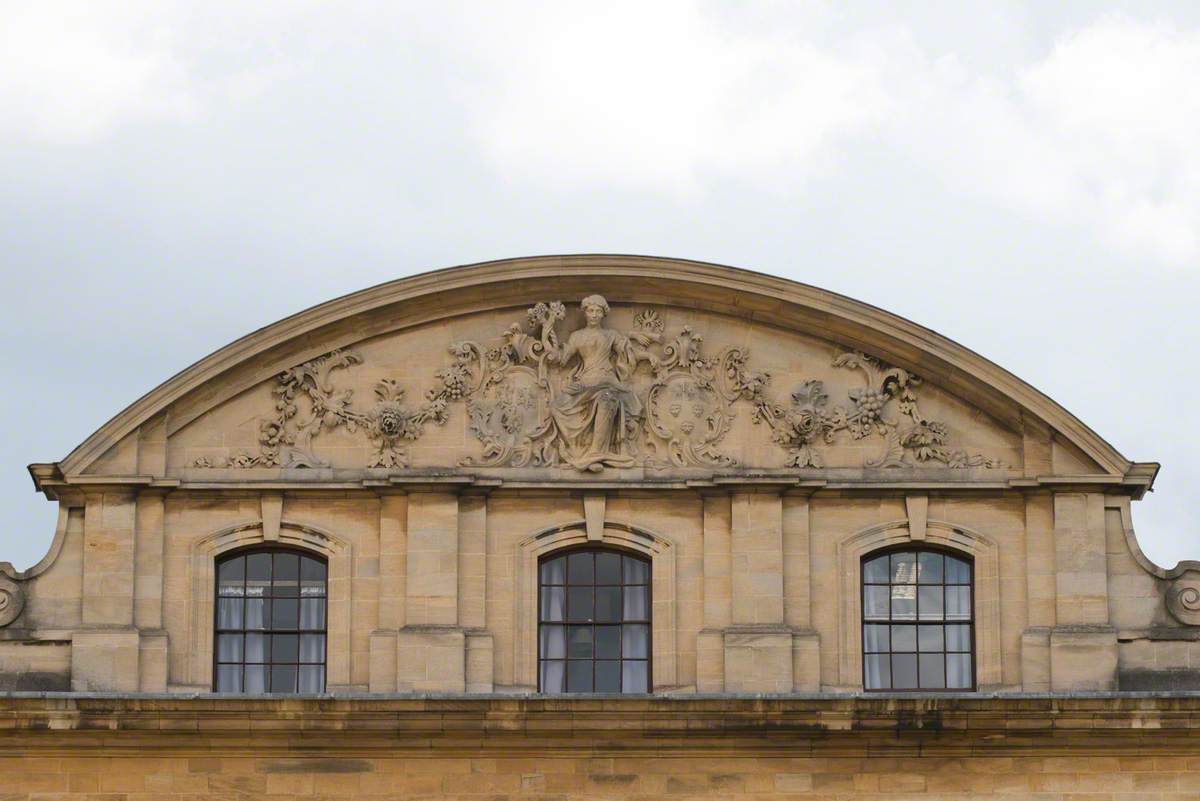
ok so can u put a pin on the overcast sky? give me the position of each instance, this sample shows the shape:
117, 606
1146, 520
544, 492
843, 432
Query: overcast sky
1023, 178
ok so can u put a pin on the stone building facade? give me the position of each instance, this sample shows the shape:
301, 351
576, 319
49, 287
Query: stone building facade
527, 527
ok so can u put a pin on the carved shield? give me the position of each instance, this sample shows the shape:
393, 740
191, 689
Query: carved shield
506, 417
691, 417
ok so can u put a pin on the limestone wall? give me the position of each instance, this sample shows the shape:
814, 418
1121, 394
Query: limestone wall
753, 439
756, 588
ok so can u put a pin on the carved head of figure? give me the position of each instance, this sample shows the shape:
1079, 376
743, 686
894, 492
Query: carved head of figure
595, 307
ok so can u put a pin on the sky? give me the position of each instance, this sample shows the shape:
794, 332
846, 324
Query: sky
1023, 178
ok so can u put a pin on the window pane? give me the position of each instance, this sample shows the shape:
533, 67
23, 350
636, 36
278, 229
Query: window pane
633, 677
904, 602
579, 642
312, 648
635, 570
904, 638
878, 671
285, 648
554, 642
258, 573
904, 671
608, 676
554, 603
283, 678
256, 648
929, 602
958, 671
957, 571
875, 603
608, 603
229, 648
933, 671
232, 577
636, 607
312, 613
635, 641
552, 676
312, 679
929, 568
958, 603
608, 642
875, 638
285, 613
229, 613
554, 571
256, 617
958, 638
877, 570
256, 679
904, 568
229, 678
608, 571
287, 574
579, 568
579, 603
929, 638
579, 676
312, 576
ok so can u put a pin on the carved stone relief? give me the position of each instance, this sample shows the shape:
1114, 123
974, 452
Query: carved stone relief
594, 399
12, 601
1183, 599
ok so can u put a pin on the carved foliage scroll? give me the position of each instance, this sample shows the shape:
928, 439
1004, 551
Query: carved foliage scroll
12, 601
598, 398
1183, 599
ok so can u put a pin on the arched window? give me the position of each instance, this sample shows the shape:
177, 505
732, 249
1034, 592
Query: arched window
594, 622
270, 622
918, 621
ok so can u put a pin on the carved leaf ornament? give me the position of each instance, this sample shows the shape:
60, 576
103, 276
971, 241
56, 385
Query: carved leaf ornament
537, 399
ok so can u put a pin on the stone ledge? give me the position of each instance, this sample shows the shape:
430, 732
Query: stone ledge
428, 725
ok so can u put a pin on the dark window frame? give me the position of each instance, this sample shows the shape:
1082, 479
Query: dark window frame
917, 549
269, 630
648, 621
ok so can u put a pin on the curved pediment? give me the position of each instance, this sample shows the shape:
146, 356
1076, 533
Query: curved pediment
686, 370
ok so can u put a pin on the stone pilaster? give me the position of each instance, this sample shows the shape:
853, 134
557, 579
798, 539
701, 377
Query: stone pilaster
758, 643
431, 646
393, 590
710, 644
1083, 646
105, 652
472, 593
797, 594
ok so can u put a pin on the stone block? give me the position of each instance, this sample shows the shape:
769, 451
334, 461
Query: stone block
758, 660
480, 663
105, 660
1035, 660
806, 662
430, 659
152, 662
382, 674
1083, 659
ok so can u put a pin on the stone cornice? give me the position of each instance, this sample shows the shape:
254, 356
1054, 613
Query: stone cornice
1113, 724
808, 481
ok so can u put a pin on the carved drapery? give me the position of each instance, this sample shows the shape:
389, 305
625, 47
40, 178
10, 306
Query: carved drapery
601, 398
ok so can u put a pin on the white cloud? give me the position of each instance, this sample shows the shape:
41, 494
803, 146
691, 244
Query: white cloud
662, 97
1101, 133
73, 71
